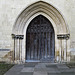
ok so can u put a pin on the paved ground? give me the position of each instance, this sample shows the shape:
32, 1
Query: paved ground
41, 69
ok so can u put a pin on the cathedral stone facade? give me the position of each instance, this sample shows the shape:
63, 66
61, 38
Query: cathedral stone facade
37, 31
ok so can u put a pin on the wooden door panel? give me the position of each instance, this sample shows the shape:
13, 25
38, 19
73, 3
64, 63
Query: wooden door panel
40, 40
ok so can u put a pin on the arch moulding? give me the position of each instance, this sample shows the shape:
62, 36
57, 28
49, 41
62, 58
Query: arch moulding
53, 15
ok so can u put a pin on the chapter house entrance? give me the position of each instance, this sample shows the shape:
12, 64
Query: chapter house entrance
40, 40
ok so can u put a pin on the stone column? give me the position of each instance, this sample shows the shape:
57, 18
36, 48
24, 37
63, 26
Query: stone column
65, 50
23, 50
20, 50
15, 49
60, 50
68, 50
17, 52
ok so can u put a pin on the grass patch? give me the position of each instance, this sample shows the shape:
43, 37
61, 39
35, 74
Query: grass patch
71, 64
5, 67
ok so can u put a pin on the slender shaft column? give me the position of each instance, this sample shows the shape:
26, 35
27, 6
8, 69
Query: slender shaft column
65, 50
17, 53
14, 51
20, 50
61, 51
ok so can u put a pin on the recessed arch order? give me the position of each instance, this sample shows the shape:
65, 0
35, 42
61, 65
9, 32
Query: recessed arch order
35, 9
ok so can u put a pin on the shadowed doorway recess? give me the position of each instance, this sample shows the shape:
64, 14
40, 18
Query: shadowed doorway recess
40, 40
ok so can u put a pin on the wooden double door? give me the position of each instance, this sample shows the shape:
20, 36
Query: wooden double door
40, 40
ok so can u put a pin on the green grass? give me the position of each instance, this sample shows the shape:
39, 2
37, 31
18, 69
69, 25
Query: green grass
5, 67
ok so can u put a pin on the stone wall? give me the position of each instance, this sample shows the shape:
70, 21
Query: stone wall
10, 9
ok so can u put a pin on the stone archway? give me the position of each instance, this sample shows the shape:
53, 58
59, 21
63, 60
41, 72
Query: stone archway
54, 16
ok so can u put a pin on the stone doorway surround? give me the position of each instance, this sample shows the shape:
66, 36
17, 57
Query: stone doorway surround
62, 46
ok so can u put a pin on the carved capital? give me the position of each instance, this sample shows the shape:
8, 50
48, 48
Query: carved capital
63, 36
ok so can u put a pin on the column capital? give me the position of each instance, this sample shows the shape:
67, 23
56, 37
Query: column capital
63, 36
17, 36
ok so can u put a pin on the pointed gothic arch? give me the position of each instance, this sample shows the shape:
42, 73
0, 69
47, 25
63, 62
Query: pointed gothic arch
51, 13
